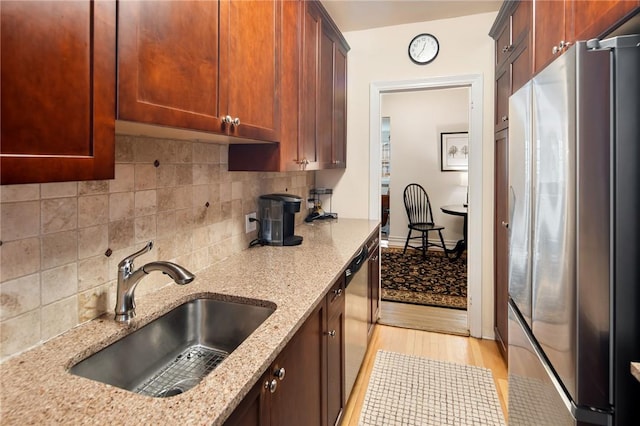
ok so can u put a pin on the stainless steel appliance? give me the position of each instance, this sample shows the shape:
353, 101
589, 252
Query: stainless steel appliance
574, 273
277, 219
356, 316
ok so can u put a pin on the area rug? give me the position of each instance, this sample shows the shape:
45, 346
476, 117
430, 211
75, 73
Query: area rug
434, 281
410, 390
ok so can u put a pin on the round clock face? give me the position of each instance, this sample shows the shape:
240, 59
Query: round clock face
423, 49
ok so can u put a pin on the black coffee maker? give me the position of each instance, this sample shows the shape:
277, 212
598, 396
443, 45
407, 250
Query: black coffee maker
277, 219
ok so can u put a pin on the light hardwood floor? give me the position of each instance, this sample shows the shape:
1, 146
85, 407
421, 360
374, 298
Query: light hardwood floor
445, 347
428, 318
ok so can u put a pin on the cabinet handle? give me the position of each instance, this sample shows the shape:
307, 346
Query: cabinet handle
280, 373
562, 45
228, 120
338, 292
505, 118
331, 333
505, 224
271, 385
506, 48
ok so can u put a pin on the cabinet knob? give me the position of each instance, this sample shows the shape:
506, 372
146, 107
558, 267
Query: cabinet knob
279, 373
337, 292
236, 122
505, 118
331, 333
505, 224
271, 385
506, 48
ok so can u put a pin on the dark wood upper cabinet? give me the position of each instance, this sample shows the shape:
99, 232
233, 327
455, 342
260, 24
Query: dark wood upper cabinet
192, 64
314, 104
169, 61
559, 24
249, 67
550, 28
511, 32
58, 91
339, 141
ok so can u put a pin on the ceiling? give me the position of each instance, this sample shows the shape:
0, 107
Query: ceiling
354, 15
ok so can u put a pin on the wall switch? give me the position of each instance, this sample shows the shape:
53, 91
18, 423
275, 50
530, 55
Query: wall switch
248, 225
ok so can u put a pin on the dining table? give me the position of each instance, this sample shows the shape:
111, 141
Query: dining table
461, 245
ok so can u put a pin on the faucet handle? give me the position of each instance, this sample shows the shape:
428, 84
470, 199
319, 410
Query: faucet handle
129, 259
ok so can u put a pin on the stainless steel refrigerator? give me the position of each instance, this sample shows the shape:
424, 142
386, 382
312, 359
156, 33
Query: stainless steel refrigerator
574, 231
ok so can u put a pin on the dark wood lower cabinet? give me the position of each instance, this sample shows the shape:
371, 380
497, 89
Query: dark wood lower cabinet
501, 239
305, 383
298, 398
335, 390
373, 291
253, 410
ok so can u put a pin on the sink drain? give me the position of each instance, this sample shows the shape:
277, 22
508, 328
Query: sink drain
184, 372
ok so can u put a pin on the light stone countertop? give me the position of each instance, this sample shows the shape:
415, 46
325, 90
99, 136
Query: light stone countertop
38, 389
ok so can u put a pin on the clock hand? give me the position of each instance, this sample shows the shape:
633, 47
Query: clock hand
424, 45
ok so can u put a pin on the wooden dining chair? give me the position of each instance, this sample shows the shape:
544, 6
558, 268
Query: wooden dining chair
420, 215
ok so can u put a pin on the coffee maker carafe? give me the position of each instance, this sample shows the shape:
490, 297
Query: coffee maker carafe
277, 219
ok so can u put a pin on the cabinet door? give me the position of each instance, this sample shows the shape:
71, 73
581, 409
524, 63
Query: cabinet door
503, 43
339, 138
309, 98
58, 91
249, 66
592, 18
520, 66
254, 408
335, 353
325, 121
374, 287
298, 399
503, 91
168, 64
521, 23
501, 239
549, 31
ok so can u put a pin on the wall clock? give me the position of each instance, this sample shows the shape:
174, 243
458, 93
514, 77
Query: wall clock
423, 48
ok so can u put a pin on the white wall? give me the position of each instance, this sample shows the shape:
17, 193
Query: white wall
380, 54
417, 119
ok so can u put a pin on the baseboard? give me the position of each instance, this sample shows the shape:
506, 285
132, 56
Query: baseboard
395, 241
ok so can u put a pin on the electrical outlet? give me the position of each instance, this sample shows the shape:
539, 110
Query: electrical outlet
248, 225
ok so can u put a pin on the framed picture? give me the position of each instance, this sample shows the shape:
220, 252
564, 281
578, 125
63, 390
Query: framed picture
454, 154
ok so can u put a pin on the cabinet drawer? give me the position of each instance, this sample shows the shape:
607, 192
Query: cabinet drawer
335, 296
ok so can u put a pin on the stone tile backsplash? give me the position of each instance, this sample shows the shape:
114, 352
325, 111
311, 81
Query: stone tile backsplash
54, 273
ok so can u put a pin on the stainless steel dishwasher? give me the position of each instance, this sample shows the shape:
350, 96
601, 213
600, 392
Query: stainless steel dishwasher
356, 312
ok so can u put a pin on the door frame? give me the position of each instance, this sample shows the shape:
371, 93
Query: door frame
474, 246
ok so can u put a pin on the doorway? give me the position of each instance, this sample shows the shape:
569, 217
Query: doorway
472, 84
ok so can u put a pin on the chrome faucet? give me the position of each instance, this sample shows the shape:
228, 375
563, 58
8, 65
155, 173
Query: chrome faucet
128, 279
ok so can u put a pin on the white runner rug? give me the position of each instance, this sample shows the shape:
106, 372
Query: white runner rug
410, 390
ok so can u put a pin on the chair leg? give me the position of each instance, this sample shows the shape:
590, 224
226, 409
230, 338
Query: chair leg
406, 242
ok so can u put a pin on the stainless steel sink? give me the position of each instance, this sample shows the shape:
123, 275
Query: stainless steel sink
174, 352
